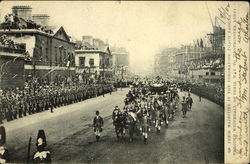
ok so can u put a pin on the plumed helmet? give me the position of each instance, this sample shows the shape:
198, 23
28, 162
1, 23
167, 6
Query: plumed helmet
41, 135
2, 136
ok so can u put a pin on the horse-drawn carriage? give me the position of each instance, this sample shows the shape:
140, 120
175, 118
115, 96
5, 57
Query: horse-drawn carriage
143, 106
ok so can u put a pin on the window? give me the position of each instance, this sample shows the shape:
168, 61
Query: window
60, 57
91, 62
82, 61
207, 73
73, 59
65, 58
56, 55
41, 54
46, 55
212, 73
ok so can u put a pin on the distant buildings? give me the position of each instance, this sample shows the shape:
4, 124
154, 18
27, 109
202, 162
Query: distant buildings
203, 61
120, 61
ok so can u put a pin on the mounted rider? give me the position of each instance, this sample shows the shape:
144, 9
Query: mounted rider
116, 114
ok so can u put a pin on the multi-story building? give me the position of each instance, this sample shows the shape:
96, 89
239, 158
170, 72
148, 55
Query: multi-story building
93, 58
120, 61
51, 54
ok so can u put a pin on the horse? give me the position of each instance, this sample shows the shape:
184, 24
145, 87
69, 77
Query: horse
119, 124
164, 115
130, 126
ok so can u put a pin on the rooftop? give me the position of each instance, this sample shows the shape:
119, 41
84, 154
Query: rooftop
21, 7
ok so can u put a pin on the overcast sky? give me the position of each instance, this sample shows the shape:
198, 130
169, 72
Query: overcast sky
143, 27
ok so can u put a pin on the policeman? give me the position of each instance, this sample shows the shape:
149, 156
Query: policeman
98, 125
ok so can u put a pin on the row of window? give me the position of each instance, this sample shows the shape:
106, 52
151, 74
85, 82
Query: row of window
82, 61
211, 73
60, 58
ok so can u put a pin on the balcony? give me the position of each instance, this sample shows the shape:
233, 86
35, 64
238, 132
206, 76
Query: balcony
12, 50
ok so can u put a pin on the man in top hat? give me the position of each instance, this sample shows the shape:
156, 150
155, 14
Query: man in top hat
4, 155
98, 125
115, 114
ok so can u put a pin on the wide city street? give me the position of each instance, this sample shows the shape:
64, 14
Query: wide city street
198, 138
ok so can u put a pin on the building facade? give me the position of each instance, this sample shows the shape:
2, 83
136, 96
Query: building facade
51, 57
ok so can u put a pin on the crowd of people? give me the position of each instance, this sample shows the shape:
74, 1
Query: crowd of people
9, 43
16, 103
14, 22
209, 62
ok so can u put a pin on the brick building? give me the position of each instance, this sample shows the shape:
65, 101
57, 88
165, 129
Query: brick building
52, 56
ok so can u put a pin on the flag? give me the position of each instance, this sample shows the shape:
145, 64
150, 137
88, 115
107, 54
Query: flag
201, 43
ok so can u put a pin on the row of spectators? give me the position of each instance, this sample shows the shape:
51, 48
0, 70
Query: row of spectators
17, 103
14, 22
9, 43
207, 63
213, 92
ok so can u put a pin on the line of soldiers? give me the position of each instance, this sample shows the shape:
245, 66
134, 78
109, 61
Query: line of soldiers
18, 103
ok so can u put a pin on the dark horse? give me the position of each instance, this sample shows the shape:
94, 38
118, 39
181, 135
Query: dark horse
125, 123
119, 124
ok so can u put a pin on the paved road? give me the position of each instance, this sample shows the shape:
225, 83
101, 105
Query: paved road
198, 138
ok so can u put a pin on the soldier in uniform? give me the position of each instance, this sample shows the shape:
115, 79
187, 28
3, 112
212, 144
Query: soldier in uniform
145, 126
98, 125
189, 102
184, 107
4, 154
158, 120
41, 155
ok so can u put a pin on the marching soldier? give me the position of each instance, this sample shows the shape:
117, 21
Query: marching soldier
184, 107
189, 102
98, 125
145, 126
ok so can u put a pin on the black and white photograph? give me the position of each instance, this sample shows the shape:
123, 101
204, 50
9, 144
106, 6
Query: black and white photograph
117, 81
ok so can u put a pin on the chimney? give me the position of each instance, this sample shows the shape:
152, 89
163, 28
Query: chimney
42, 19
87, 39
22, 12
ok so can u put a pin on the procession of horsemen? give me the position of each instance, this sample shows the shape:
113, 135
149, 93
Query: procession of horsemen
148, 105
